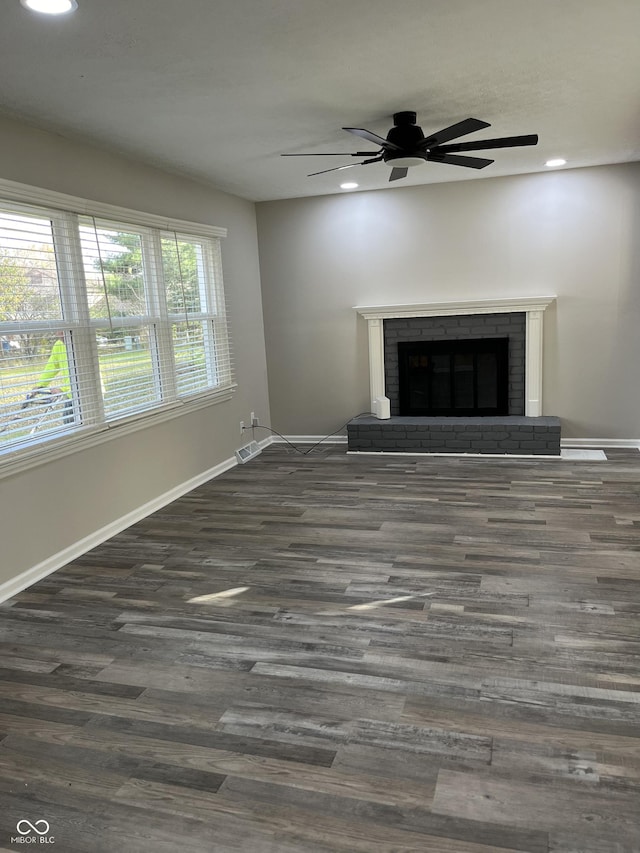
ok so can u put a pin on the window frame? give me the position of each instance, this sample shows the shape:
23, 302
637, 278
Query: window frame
66, 212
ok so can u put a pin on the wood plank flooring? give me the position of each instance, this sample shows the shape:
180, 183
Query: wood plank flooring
340, 654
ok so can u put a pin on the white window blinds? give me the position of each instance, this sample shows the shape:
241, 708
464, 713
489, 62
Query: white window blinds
119, 281
195, 307
102, 319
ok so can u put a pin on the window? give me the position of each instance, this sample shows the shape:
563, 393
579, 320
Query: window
103, 319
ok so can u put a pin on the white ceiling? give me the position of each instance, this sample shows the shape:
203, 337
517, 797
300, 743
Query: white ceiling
219, 89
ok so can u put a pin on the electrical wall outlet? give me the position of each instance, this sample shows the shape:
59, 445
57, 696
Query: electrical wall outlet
241, 427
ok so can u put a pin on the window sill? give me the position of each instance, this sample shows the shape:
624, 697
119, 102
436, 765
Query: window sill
15, 462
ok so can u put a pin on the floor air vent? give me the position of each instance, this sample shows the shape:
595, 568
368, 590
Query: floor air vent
244, 454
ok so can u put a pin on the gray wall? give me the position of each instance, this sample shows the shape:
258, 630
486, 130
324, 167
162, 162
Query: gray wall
49, 508
574, 233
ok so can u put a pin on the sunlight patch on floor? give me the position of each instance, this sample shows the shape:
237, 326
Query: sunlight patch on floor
218, 597
371, 605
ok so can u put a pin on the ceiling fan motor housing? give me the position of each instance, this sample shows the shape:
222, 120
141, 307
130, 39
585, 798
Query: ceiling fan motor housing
407, 135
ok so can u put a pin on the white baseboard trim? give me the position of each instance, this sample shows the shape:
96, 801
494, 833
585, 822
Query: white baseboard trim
56, 561
600, 442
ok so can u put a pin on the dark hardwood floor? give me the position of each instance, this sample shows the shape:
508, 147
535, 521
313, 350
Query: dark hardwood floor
339, 653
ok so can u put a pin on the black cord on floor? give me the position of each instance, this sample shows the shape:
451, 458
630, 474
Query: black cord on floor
313, 446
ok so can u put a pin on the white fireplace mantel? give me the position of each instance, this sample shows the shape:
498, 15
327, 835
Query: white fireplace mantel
533, 306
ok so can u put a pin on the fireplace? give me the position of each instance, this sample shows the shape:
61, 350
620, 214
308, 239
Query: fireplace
456, 377
531, 308
468, 377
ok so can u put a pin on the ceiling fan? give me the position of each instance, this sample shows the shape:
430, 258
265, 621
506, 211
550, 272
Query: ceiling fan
406, 146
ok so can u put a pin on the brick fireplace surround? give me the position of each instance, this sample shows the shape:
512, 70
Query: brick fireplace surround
524, 431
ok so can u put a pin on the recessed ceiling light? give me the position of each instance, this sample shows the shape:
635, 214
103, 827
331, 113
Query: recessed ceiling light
50, 7
557, 162
350, 185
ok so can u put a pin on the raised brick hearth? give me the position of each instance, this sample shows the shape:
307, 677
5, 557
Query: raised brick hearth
502, 435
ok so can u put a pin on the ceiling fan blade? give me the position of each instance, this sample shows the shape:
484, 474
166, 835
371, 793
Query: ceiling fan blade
453, 160
397, 173
484, 144
348, 166
333, 154
461, 128
335, 169
373, 137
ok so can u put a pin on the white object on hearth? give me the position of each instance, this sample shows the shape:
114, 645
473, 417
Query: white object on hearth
381, 408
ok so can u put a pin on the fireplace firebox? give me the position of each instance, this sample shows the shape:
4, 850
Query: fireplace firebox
454, 378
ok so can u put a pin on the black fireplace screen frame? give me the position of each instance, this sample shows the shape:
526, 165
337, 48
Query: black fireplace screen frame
422, 367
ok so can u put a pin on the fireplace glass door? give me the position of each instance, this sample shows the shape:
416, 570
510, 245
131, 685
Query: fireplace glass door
454, 378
